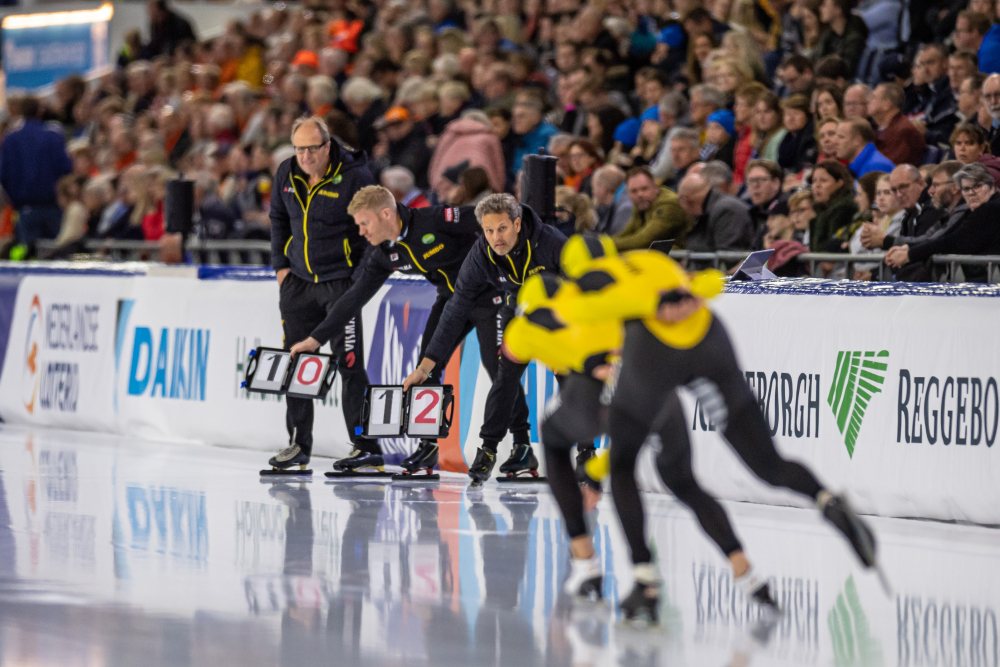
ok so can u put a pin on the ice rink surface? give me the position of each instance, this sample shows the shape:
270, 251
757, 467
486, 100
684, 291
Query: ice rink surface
121, 552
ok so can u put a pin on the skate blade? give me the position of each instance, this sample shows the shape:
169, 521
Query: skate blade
358, 474
286, 472
521, 478
413, 477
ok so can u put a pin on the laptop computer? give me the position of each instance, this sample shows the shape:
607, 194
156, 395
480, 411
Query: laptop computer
754, 267
663, 246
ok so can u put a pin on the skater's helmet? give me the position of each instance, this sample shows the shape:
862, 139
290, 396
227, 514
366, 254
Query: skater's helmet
582, 249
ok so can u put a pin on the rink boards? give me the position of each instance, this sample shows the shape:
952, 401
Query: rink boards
888, 391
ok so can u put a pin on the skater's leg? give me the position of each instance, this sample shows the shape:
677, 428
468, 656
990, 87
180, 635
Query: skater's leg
628, 431
573, 414
745, 429
674, 463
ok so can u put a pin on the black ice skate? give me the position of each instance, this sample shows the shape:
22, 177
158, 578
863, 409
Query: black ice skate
585, 581
360, 464
291, 460
521, 466
641, 607
482, 466
420, 464
838, 512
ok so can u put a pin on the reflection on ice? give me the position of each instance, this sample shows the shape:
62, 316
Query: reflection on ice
118, 551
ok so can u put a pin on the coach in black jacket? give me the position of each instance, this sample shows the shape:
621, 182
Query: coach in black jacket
432, 242
314, 248
515, 244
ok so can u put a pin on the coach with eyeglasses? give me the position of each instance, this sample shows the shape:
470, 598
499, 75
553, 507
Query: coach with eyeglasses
315, 247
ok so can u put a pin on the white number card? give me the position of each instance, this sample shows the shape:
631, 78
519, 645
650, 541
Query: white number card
385, 411
310, 375
424, 411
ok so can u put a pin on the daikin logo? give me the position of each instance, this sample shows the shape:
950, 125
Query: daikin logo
859, 376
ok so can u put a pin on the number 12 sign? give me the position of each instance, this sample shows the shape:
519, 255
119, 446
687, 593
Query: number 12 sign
424, 411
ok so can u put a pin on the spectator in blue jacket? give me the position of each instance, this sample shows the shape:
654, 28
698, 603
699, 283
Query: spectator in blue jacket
856, 146
32, 160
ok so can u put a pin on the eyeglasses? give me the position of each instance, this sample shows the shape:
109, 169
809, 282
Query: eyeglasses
312, 150
759, 180
992, 96
971, 189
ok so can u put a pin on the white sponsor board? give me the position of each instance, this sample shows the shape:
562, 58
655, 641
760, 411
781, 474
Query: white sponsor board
892, 398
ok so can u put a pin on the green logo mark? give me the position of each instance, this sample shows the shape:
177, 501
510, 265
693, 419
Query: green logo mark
858, 377
428, 239
853, 641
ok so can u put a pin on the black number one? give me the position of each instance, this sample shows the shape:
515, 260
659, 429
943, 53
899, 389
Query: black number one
274, 367
387, 416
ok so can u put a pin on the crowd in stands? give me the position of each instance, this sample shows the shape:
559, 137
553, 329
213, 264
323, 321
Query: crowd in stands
800, 125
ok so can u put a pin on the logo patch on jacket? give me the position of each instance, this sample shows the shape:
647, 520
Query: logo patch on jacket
327, 193
451, 214
427, 239
433, 251
394, 257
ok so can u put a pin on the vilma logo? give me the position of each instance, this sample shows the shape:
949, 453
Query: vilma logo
858, 377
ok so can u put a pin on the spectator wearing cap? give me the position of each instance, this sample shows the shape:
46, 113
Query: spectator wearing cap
531, 129
798, 148
895, 136
656, 213
856, 147
402, 142
720, 128
470, 138
305, 62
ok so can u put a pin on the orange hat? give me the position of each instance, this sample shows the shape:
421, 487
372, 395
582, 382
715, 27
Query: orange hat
396, 114
306, 59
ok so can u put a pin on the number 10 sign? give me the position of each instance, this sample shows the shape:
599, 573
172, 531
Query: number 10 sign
273, 371
425, 411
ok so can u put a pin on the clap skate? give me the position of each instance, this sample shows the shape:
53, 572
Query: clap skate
424, 458
359, 464
585, 581
521, 466
290, 461
482, 466
641, 607
838, 511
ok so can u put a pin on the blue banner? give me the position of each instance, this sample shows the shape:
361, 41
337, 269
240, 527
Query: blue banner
34, 57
